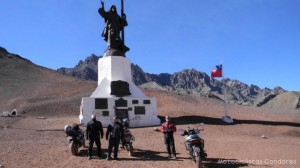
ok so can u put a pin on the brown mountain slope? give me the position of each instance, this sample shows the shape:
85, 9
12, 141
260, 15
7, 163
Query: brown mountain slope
30, 88
288, 100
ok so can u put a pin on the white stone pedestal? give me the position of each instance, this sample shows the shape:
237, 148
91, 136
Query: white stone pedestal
141, 110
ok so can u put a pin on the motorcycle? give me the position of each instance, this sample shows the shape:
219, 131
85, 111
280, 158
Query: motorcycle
194, 144
128, 138
75, 138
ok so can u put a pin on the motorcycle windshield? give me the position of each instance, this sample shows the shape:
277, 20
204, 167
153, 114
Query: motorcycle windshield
193, 136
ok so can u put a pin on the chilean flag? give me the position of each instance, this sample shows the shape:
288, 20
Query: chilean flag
217, 72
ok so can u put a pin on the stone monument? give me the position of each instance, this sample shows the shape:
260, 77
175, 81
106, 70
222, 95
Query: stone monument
116, 94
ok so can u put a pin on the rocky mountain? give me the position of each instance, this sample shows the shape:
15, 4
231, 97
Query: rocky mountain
189, 82
86, 69
39, 91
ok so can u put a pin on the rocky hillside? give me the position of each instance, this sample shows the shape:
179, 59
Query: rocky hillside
33, 89
86, 69
191, 82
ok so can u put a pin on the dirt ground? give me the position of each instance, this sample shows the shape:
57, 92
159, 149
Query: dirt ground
259, 138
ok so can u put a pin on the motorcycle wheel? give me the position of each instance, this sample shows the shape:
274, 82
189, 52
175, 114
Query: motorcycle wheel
203, 155
199, 161
73, 148
130, 152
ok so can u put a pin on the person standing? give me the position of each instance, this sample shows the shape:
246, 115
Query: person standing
115, 133
93, 132
168, 128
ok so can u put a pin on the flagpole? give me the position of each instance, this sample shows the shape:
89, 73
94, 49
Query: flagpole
225, 118
225, 106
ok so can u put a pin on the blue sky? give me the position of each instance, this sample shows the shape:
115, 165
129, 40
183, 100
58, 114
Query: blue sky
258, 41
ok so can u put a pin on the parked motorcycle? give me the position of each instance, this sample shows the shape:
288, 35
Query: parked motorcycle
128, 138
194, 144
75, 138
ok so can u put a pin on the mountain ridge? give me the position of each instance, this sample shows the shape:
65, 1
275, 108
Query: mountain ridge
187, 82
22, 79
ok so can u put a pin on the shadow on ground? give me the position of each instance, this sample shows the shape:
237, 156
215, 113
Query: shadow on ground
138, 155
149, 155
217, 121
83, 152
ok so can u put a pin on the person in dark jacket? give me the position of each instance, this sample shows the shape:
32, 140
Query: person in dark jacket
168, 128
115, 133
93, 132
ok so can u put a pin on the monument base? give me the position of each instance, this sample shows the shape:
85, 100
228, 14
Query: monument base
117, 95
227, 119
140, 112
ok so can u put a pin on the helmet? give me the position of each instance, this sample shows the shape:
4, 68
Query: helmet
67, 128
125, 122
